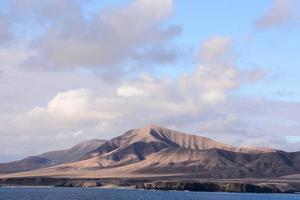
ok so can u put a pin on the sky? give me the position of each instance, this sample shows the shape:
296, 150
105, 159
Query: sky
83, 69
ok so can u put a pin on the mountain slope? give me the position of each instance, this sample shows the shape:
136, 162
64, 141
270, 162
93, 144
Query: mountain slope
51, 158
144, 141
75, 153
157, 151
218, 163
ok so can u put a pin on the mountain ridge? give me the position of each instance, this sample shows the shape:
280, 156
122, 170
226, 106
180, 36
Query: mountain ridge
157, 151
51, 158
154, 133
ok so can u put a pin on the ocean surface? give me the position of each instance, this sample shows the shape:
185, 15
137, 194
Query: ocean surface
126, 194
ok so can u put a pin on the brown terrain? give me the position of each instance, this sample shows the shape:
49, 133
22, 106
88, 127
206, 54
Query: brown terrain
153, 153
51, 158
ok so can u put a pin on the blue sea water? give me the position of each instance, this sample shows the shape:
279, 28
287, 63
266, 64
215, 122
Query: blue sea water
126, 194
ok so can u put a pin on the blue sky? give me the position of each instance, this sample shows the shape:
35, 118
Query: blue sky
76, 70
275, 50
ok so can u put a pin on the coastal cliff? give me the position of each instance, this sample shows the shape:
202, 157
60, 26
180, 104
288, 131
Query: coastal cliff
256, 186
218, 187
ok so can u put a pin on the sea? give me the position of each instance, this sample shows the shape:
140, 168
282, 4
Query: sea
52, 193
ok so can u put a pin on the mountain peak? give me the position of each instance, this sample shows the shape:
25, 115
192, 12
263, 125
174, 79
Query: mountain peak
157, 133
150, 127
169, 137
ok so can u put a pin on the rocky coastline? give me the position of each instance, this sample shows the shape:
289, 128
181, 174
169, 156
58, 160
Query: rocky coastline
179, 185
219, 187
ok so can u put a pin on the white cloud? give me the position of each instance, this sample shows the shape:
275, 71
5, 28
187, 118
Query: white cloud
129, 91
282, 12
112, 36
215, 48
74, 108
213, 96
70, 104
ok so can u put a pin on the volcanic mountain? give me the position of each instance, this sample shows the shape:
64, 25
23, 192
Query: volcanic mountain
157, 151
51, 158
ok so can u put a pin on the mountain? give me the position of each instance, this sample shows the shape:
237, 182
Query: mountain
156, 151
137, 144
51, 158
75, 153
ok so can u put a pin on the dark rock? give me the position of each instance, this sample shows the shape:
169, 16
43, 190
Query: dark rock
79, 184
214, 187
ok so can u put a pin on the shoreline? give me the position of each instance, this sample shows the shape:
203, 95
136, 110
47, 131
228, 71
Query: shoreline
153, 190
160, 183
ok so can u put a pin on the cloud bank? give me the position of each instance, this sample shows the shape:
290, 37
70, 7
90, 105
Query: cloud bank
199, 101
69, 40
